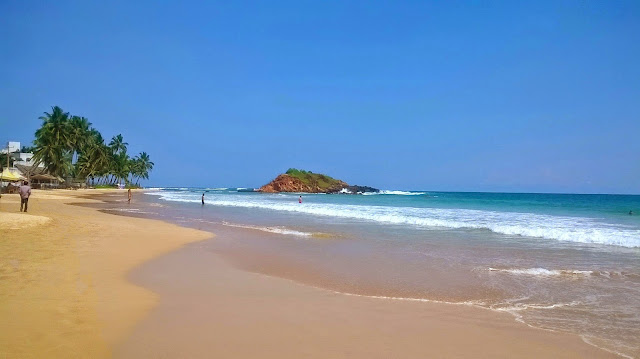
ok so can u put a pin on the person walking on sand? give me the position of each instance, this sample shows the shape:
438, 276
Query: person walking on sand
25, 192
300, 199
203, 199
129, 195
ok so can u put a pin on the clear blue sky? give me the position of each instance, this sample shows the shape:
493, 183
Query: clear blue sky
537, 96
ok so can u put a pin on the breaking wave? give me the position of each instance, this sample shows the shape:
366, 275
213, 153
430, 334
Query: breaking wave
560, 228
542, 272
278, 230
397, 193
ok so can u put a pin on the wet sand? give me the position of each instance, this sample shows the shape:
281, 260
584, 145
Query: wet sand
91, 284
210, 309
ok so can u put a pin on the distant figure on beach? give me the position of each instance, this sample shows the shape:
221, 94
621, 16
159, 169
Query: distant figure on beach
25, 192
300, 199
203, 199
129, 195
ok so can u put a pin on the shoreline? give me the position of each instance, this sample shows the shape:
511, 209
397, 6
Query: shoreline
211, 308
204, 281
64, 290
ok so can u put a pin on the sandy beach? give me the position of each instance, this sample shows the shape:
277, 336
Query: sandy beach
77, 282
63, 291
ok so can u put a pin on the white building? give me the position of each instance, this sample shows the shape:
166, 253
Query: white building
19, 158
13, 147
23, 159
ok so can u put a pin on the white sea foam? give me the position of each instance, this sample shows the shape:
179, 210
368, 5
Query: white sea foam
278, 230
524, 306
127, 210
542, 272
397, 193
561, 228
155, 192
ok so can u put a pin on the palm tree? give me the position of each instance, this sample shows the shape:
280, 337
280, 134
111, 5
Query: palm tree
79, 133
95, 159
53, 142
145, 165
65, 140
118, 145
140, 167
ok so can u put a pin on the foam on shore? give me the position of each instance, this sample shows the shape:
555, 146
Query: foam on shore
560, 228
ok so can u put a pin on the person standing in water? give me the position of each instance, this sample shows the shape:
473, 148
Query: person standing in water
129, 195
25, 192
300, 199
203, 199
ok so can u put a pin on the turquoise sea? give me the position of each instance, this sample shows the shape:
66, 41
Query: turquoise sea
564, 262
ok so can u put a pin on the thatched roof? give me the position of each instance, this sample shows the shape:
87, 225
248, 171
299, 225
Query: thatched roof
37, 173
45, 177
31, 170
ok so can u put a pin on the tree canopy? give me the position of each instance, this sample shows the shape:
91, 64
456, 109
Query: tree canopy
70, 147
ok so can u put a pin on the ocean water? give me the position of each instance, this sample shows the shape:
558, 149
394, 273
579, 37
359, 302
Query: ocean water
560, 262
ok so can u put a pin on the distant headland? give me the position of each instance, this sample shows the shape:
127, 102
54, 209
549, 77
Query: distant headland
295, 180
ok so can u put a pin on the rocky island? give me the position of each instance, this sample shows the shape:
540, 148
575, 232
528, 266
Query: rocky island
295, 180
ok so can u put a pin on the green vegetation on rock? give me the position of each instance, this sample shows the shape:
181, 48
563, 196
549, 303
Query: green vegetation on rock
316, 180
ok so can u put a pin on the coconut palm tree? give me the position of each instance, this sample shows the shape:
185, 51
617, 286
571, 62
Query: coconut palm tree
65, 140
118, 145
120, 169
53, 142
79, 133
140, 167
95, 159
145, 165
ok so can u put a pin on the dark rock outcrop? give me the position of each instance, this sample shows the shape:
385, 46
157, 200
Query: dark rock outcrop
355, 189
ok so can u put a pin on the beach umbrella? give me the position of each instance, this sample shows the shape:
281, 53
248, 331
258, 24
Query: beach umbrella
7, 175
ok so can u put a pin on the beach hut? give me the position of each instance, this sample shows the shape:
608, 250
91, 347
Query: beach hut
44, 180
39, 177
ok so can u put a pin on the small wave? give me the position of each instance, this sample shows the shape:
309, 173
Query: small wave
561, 228
397, 193
591, 341
541, 272
277, 230
128, 210
523, 306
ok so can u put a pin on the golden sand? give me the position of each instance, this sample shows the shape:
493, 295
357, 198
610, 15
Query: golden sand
63, 291
21, 220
